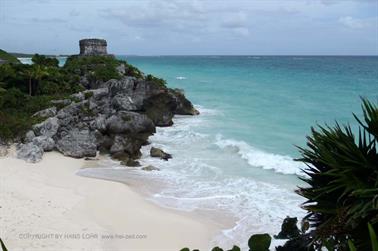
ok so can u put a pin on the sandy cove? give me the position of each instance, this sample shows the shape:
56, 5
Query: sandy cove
45, 206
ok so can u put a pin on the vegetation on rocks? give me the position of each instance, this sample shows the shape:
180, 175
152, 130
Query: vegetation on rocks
95, 67
27, 89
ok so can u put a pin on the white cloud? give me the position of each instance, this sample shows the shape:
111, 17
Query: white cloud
355, 23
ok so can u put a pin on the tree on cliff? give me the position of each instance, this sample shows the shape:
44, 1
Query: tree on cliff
36, 73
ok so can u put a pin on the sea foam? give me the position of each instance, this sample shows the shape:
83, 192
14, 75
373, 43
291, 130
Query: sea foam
258, 158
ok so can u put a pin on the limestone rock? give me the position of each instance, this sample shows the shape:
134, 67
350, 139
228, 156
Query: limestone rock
3, 150
61, 102
77, 143
78, 96
30, 135
47, 128
131, 163
129, 122
49, 112
150, 168
30, 152
184, 106
46, 143
156, 152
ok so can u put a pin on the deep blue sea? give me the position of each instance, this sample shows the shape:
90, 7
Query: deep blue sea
236, 158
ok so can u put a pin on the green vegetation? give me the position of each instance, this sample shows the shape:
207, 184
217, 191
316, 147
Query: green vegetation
342, 191
159, 81
94, 67
45, 61
26, 89
8, 57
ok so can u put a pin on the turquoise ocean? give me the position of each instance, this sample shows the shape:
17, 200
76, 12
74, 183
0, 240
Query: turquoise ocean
235, 160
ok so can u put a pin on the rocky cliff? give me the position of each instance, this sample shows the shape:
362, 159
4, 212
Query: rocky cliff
115, 118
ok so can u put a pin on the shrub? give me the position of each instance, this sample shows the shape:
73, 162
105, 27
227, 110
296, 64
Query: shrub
159, 81
342, 191
45, 61
95, 67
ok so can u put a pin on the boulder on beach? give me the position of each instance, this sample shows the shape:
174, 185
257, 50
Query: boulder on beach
30, 152
156, 152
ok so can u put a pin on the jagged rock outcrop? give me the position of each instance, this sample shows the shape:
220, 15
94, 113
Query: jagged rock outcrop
117, 118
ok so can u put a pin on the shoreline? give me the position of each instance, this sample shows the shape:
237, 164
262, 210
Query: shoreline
46, 206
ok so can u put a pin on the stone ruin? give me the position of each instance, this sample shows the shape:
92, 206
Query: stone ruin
92, 46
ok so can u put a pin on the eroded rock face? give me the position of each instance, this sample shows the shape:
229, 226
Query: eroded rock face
117, 118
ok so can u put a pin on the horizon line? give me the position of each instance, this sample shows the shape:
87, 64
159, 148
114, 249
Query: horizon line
218, 55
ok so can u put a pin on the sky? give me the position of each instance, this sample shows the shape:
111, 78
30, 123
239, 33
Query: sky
192, 27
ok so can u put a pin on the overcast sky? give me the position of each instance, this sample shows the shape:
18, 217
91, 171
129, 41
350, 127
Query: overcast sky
198, 27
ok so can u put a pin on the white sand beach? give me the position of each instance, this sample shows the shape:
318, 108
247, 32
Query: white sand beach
45, 206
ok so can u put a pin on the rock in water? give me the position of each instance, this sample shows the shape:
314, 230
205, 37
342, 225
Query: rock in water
30, 152
156, 152
150, 168
289, 229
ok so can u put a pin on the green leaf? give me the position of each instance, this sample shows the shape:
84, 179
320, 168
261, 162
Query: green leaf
373, 238
351, 246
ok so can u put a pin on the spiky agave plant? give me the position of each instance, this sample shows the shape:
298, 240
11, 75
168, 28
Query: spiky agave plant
342, 182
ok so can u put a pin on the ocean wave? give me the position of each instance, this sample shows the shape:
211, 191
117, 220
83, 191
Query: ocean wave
180, 78
207, 111
258, 158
